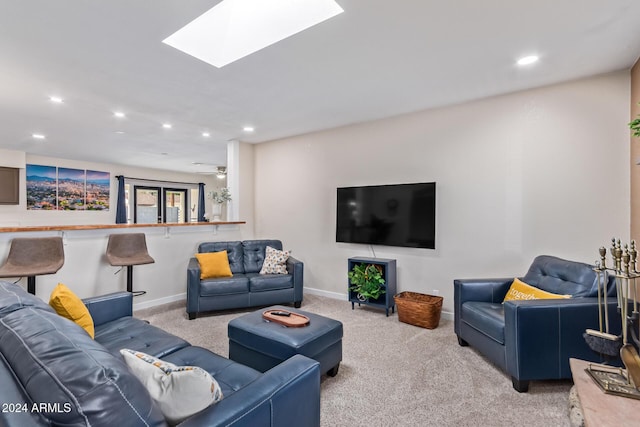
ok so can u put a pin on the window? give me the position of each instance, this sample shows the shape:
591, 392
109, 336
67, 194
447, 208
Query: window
175, 207
193, 215
151, 202
147, 205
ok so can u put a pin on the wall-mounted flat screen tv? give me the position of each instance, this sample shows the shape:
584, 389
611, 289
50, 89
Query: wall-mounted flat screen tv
9, 186
389, 215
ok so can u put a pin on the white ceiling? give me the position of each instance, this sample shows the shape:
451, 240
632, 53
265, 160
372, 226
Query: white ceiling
377, 59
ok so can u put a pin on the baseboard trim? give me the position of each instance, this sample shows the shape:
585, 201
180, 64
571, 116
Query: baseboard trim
446, 315
337, 295
159, 301
328, 294
320, 292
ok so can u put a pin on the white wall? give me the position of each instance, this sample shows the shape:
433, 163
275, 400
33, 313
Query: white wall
12, 158
541, 171
240, 180
86, 269
544, 171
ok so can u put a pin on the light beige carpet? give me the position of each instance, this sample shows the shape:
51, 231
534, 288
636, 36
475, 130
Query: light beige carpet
394, 374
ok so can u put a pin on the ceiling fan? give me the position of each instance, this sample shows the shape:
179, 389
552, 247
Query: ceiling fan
221, 173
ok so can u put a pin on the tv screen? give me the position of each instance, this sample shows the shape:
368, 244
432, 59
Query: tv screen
390, 215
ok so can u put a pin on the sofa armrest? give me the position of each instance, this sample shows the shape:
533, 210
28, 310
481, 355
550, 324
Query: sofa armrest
541, 335
286, 395
483, 290
109, 307
486, 290
296, 269
193, 285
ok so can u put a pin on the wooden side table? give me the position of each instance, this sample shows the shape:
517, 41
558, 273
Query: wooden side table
598, 408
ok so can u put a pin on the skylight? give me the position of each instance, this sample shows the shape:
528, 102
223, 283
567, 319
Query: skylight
234, 29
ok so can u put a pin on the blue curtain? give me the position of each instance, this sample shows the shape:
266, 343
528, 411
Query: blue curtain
121, 207
200, 202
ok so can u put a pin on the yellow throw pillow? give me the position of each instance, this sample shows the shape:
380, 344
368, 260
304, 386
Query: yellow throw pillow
67, 304
521, 291
214, 264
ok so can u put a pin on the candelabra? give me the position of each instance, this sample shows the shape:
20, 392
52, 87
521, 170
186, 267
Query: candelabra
624, 382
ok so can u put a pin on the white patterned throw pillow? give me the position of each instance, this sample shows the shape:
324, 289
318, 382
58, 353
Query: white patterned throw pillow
275, 261
180, 391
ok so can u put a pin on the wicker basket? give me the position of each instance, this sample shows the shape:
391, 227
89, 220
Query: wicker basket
419, 309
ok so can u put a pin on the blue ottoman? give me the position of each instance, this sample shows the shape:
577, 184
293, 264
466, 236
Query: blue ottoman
260, 344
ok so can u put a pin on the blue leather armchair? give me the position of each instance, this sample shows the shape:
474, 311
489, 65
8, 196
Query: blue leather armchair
533, 339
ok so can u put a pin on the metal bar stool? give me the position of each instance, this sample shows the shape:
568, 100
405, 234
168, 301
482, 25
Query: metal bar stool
127, 250
31, 257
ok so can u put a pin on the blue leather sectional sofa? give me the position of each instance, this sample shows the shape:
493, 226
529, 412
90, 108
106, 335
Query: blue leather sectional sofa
533, 339
53, 373
247, 287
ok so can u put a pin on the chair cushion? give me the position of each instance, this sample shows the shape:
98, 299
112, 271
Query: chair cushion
214, 265
235, 253
33, 256
267, 282
254, 253
522, 291
67, 304
562, 277
238, 284
128, 249
179, 391
486, 317
231, 376
57, 363
135, 334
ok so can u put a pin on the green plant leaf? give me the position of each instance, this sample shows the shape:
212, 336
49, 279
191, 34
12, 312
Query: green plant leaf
367, 280
634, 125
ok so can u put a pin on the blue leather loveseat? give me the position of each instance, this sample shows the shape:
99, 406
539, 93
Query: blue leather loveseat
533, 339
53, 373
247, 287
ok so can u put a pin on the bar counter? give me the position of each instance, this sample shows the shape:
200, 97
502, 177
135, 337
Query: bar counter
110, 226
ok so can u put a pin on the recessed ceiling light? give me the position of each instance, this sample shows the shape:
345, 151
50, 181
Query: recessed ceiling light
119, 114
167, 125
38, 136
164, 154
119, 132
56, 99
527, 60
248, 129
233, 29
206, 134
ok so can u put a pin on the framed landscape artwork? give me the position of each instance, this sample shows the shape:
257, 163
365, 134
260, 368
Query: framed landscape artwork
67, 189
42, 188
71, 189
98, 191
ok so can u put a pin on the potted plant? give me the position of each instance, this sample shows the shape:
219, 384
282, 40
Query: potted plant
634, 125
218, 198
367, 281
